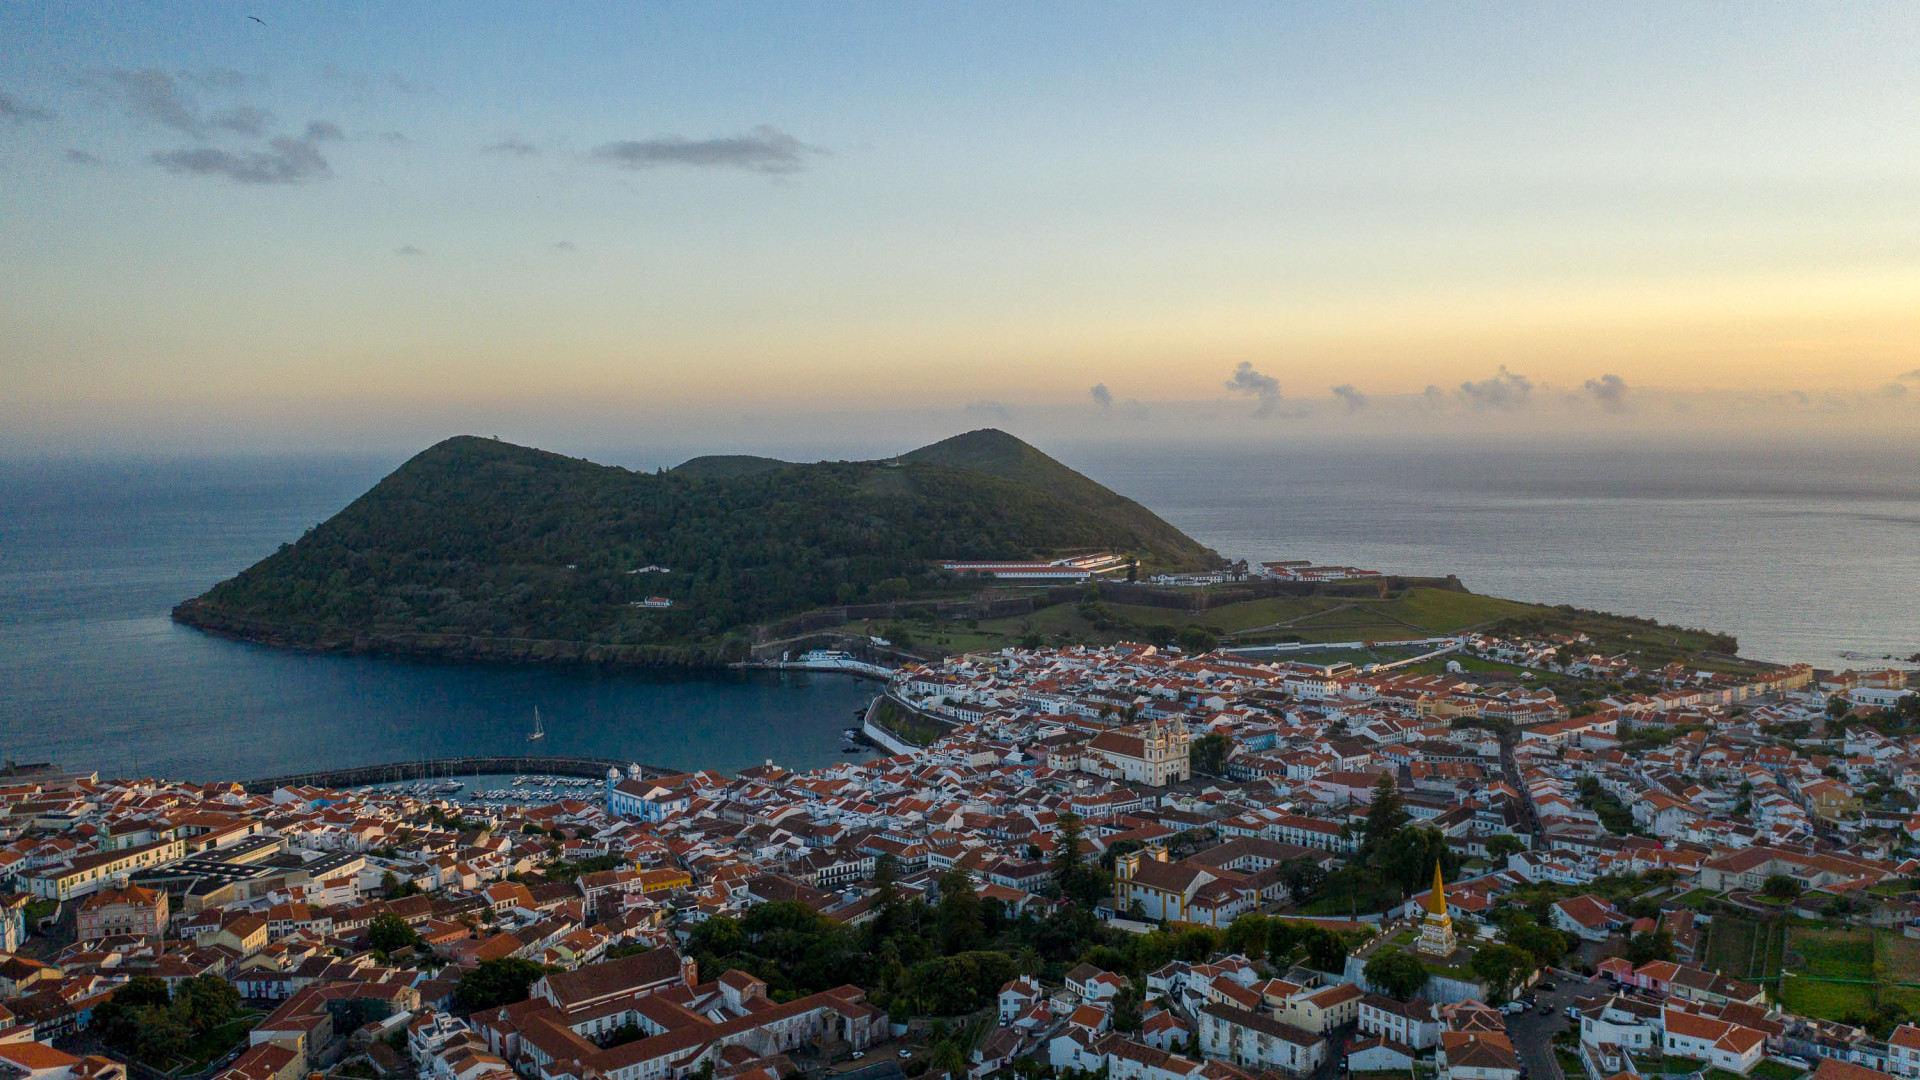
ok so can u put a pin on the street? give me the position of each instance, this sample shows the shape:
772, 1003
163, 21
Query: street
1533, 1034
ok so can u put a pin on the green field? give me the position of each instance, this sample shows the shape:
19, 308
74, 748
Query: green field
1744, 948
1880, 960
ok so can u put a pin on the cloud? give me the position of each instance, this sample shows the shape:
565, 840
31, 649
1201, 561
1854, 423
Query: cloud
565, 245
408, 251
150, 95
324, 131
286, 161
217, 79
1354, 399
512, 147
81, 157
999, 410
1909, 376
242, 119
765, 149
1610, 391
1893, 390
1101, 396
1504, 391
1247, 381
391, 138
1433, 396
12, 108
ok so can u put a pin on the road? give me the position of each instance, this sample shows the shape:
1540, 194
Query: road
1533, 1034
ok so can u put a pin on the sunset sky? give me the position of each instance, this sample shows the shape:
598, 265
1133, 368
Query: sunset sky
379, 224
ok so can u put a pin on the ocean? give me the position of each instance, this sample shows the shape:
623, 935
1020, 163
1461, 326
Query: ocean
1805, 555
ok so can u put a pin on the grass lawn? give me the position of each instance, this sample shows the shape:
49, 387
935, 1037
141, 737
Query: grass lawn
1730, 944
1831, 954
1825, 1000
1776, 1070
1721, 1074
1570, 1064
1898, 956
1696, 897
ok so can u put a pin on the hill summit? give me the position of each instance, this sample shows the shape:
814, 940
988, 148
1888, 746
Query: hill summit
477, 547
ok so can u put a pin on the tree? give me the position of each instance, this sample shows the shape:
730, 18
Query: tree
1386, 814
1501, 967
886, 894
1503, 845
1399, 975
204, 1002
117, 1020
1838, 706
1076, 881
1543, 943
1208, 753
1326, 950
1248, 935
1301, 875
1647, 947
1194, 641
499, 982
389, 933
958, 917
1781, 887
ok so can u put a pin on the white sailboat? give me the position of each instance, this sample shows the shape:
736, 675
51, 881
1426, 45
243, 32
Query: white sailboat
539, 732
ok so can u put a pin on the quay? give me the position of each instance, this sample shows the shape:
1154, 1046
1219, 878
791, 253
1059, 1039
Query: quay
436, 768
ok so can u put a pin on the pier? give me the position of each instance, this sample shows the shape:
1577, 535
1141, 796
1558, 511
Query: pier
438, 768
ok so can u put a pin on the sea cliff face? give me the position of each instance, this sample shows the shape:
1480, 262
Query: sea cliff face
477, 648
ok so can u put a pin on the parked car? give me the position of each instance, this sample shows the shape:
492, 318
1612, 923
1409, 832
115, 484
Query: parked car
1547, 986
858, 1054
906, 1053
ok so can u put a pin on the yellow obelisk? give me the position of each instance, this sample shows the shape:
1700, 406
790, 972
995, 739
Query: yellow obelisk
1436, 929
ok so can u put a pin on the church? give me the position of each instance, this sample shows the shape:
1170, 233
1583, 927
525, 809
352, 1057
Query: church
1153, 754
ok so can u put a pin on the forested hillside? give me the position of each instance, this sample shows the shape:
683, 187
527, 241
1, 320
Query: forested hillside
476, 537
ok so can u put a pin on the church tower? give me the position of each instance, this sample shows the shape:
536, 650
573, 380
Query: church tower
1436, 928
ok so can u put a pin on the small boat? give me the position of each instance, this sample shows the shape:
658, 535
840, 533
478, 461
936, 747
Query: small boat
851, 749
539, 731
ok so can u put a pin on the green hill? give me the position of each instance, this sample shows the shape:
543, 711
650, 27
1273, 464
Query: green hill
477, 547
728, 466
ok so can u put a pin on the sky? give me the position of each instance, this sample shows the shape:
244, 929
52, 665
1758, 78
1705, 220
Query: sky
254, 224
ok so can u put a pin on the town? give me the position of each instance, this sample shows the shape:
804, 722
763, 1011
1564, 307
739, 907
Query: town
1122, 861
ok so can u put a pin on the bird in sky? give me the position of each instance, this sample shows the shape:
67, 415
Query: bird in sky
258, 19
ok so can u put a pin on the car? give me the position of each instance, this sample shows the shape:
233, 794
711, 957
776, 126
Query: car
906, 1053
1546, 1010
857, 1055
1548, 986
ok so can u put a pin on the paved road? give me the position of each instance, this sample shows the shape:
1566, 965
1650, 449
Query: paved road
1533, 1034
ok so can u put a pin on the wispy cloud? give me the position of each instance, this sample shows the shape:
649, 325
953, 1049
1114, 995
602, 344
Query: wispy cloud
765, 149
408, 252
81, 157
242, 120
1352, 398
285, 161
513, 146
1433, 396
324, 131
1264, 388
998, 410
151, 96
1101, 396
565, 246
1504, 390
12, 108
1610, 391
1909, 376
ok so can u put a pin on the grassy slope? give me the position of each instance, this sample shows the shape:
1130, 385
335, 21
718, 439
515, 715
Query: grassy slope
1000, 454
727, 466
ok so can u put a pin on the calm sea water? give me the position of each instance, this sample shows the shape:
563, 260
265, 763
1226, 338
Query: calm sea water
94, 673
1803, 553
1805, 556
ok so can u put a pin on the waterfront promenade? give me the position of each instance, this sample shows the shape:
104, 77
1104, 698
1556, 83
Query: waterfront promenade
434, 768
